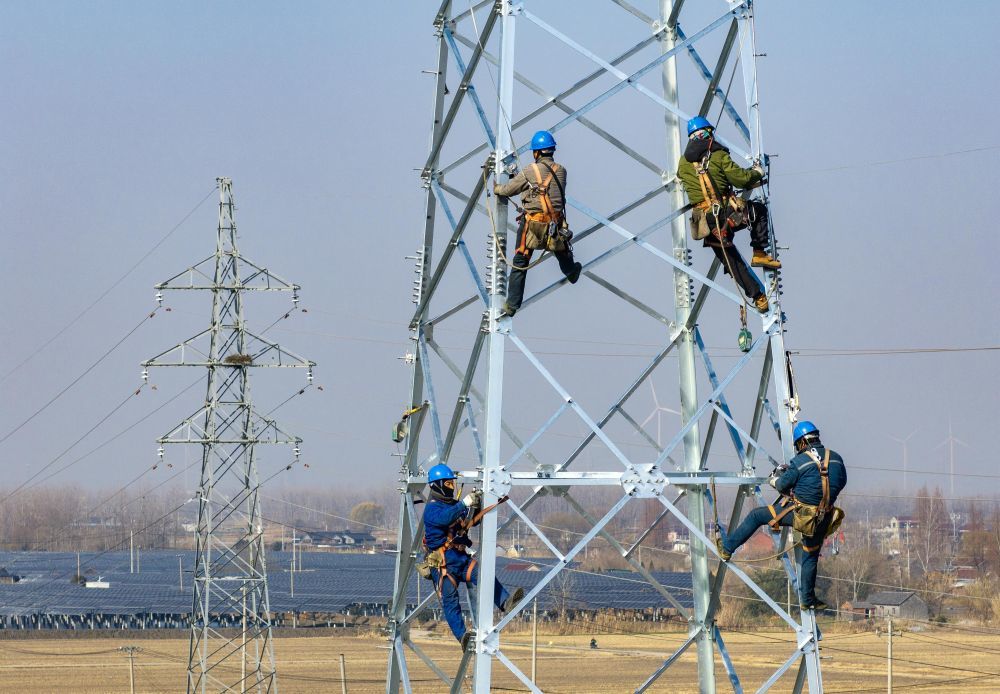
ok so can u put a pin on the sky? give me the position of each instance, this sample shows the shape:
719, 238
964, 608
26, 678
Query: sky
118, 118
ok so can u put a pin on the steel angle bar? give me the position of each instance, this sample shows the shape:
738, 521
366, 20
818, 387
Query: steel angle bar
622, 294
470, 89
480, 287
773, 416
415, 612
642, 432
800, 677
404, 671
627, 80
579, 237
463, 666
431, 399
517, 672
515, 439
578, 85
445, 259
463, 394
675, 12
462, 197
778, 673
611, 252
561, 105
477, 442
728, 105
666, 664
538, 434
710, 546
636, 12
652, 526
636, 566
645, 245
535, 529
720, 68
547, 375
428, 661
616, 407
733, 425
472, 8
460, 92
537, 588
711, 398
734, 678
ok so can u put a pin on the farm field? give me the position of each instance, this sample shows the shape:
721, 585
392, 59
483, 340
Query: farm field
929, 661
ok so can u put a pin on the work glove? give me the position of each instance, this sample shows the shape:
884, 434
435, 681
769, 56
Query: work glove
469, 500
773, 479
759, 169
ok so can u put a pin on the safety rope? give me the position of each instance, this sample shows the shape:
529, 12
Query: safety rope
496, 239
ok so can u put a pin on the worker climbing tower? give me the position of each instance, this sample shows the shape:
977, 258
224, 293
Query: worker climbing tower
231, 647
551, 427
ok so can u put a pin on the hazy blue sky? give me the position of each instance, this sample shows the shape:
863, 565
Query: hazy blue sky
117, 118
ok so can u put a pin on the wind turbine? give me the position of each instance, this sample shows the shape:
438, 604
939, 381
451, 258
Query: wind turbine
657, 412
906, 457
951, 441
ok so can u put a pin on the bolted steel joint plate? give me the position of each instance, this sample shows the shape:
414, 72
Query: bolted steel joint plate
644, 481
498, 482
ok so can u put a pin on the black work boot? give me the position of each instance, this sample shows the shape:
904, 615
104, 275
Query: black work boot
575, 274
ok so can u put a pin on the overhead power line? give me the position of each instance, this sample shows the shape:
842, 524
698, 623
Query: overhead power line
85, 311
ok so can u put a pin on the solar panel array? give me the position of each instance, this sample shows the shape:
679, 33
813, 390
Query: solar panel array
328, 583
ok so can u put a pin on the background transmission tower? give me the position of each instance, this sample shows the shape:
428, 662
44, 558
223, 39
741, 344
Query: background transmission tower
230, 574
498, 419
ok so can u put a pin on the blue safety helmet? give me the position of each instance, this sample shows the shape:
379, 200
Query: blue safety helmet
804, 428
440, 472
542, 140
698, 123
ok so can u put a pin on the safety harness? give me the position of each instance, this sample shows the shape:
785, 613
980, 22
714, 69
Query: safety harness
807, 517
457, 532
714, 204
541, 189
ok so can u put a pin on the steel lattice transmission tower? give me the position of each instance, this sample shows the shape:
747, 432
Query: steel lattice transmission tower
230, 574
514, 74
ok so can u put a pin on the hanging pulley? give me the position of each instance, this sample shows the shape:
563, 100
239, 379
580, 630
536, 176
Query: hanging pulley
745, 338
402, 427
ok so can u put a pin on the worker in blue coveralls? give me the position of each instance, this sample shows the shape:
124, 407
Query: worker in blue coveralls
446, 524
811, 482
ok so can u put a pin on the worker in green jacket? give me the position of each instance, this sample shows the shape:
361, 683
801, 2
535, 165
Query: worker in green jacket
710, 178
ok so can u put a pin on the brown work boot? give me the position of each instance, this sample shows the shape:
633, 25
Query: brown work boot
762, 259
761, 303
726, 556
512, 599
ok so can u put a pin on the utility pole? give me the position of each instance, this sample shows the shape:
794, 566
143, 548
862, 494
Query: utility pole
343, 675
229, 553
78, 576
131, 553
131, 651
889, 634
180, 573
534, 641
291, 576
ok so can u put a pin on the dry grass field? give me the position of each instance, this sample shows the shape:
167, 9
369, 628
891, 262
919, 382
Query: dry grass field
929, 661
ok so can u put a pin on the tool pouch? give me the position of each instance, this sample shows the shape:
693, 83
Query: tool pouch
433, 560
558, 239
806, 519
699, 225
837, 516
535, 234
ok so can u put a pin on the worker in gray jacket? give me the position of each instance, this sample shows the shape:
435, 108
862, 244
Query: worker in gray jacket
542, 187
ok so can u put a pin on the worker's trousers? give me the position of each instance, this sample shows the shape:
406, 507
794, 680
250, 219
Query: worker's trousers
754, 218
463, 569
808, 555
520, 262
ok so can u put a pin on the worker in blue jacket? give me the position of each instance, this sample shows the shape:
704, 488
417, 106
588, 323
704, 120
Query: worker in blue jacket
814, 477
446, 524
